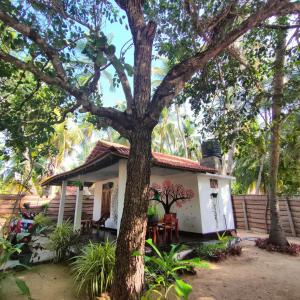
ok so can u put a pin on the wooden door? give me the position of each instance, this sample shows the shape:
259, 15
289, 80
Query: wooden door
105, 203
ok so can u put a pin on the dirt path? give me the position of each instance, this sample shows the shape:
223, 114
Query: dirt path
257, 274
46, 282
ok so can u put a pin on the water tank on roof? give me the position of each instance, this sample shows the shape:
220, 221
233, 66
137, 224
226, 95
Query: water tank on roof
211, 148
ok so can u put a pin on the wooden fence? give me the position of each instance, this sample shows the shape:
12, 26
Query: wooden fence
252, 213
37, 204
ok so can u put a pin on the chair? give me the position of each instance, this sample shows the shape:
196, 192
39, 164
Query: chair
170, 224
86, 222
101, 221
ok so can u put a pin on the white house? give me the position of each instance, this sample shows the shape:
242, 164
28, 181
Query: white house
210, 209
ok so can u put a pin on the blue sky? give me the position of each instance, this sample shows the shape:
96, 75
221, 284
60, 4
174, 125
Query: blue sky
119, 36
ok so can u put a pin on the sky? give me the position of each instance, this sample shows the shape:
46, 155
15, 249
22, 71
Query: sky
120, 35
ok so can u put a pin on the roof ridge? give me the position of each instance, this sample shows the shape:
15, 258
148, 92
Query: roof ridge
117, 145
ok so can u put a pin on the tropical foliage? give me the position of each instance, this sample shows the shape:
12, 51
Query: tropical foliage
93, 269
162, 271
63, 240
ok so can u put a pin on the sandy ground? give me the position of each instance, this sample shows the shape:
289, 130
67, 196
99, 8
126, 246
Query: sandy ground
46, 282
257, 274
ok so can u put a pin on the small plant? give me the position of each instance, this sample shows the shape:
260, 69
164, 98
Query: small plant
152, 214
7, 249
23, 288
162, 270
218, 251
93, 269
45, 207
212, 252
62, 239
291, 249
42, 224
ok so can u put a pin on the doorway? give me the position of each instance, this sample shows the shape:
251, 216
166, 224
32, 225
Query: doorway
106, 199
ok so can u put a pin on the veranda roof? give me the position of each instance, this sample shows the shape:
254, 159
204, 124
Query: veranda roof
105, 154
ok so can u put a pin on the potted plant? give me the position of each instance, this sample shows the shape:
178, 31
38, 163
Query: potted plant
152, 214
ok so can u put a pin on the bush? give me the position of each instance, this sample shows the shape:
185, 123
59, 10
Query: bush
291, 249
93, 269
42, 221
62, 239
162, 269
218, 251
42, 224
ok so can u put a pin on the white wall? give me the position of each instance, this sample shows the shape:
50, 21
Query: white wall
216, 214
188, 215
197, 215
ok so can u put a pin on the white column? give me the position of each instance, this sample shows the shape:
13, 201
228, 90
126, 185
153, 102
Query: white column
97, 201
121, 189
78, 208
60, 217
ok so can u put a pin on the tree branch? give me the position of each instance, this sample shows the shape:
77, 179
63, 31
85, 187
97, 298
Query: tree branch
51, 53
176, 78
31, 68
106, 122
282, 27
123, 78
116, 116
60, 11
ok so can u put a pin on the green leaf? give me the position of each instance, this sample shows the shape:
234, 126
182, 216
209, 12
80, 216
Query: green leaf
101, 60
136, 253
23, 288
182, 288
129, 69
111, 50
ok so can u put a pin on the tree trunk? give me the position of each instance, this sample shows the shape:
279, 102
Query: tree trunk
276, 236
259, 177
129, 270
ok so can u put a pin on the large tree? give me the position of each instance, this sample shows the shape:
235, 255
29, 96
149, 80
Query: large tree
250, 105
41, 37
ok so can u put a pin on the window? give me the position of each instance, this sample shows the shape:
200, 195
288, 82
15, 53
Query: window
213, 183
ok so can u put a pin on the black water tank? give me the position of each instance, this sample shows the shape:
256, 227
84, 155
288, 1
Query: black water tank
211, 148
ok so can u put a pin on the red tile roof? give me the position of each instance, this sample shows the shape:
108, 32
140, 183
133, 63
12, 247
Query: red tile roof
107, 153
160, 159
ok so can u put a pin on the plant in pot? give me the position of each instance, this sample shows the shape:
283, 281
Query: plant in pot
152, 214
169, 194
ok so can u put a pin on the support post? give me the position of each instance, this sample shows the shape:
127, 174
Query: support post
62, 201
78, 208
121, 189
97, 201
245, 214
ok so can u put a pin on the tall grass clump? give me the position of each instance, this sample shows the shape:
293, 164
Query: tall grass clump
93, 269
62, 239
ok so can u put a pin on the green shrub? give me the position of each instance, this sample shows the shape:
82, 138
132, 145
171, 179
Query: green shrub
42, 221
162, 270
7, 249
42, 224
212, 252
93, 269
62, 239
218, 251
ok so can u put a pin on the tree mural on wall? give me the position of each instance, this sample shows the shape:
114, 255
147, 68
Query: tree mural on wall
168, 194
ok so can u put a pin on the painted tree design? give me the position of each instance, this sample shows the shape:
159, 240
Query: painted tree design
168, 194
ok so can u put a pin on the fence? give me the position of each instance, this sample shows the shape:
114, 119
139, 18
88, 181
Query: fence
252, 213
37, 204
